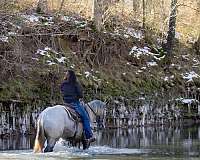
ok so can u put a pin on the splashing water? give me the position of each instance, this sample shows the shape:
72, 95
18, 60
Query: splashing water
63, 152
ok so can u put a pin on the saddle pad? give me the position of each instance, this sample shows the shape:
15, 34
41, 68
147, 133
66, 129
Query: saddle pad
73, 114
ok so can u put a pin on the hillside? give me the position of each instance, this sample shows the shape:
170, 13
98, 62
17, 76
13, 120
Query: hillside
37, 49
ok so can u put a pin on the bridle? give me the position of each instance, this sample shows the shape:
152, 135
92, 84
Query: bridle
96, 115
87, 104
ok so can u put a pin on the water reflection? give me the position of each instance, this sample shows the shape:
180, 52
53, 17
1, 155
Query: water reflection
170, 140
161, 140
16, 142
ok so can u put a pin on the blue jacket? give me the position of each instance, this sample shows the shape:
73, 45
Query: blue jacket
71, 92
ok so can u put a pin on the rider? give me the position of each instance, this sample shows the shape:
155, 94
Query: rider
72, 92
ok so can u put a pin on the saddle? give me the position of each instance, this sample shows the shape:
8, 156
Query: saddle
72, 113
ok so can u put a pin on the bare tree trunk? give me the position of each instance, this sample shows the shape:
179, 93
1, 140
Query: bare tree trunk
197, 45
98, 10
135, 5
144, 16
61, 5
42, 6
172, 28
97, 14
198, 5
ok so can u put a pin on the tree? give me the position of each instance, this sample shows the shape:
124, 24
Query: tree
61, 5
42, 6
143, 14
135, 5
99, 8
172, 28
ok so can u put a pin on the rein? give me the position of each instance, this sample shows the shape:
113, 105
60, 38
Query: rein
91, 109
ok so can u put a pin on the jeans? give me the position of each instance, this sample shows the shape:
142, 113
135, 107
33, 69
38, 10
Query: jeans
84, 117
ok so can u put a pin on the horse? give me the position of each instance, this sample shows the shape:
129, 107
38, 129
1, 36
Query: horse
56, 122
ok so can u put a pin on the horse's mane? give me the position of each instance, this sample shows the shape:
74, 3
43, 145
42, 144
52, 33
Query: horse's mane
97, 105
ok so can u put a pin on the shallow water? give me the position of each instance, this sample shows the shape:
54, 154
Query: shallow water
153, 143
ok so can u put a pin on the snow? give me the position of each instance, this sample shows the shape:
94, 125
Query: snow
159, 57
87, 74
52, 59
152, 63
196, 62
66, 18
61, 60
167, 78
35, 59
134, 33
72, 66
186, 57
141, 98
176, 65
44, 51
137, 52
128, 32
3, 38
143, 68
189, 76
38, 19
187, 100
50, 63
178, 35
41, 52
74, 20
31, 18
12, 33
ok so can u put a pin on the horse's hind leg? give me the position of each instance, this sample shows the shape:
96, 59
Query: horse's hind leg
50, 145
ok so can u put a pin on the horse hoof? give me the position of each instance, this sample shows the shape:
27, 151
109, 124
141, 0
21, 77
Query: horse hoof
48, 149
86, 144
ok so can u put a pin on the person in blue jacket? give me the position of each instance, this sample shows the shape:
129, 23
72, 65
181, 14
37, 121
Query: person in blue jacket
72, 93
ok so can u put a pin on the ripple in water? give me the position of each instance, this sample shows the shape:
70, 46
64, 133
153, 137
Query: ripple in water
64, 152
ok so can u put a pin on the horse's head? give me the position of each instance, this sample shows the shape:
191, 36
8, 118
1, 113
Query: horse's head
96, 111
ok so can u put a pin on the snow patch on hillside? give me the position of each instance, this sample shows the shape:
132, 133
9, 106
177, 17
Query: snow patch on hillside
190, 75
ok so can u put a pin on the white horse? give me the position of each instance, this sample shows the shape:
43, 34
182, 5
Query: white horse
55, 123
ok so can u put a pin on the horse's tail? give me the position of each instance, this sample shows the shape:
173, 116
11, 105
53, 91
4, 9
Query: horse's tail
40, 137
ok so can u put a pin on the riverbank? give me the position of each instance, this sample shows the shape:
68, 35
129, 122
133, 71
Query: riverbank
19, 118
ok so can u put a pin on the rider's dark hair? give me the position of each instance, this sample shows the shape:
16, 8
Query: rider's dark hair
71, 76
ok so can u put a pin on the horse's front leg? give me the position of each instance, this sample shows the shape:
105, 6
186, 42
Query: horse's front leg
86, 144
50, 145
